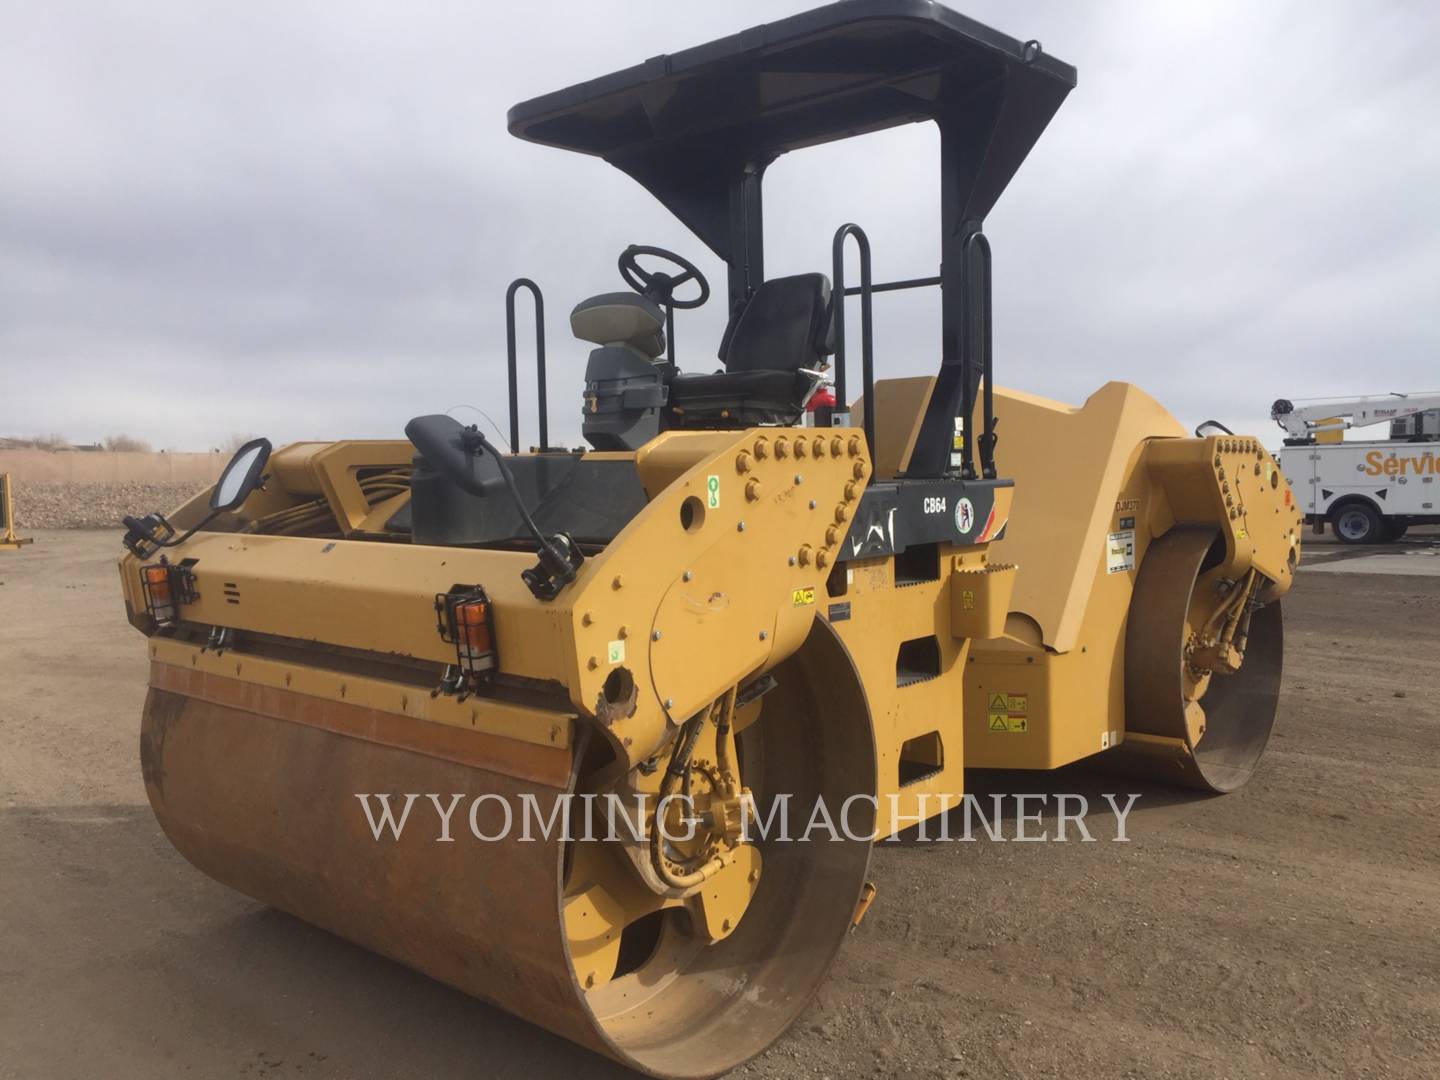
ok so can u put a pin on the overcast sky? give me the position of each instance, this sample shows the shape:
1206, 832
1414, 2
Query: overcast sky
298, 219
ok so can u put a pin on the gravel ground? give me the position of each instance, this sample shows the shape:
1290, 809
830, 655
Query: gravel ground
94, 506
1287, 931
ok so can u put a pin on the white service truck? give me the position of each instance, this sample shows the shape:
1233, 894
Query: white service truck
1369, 490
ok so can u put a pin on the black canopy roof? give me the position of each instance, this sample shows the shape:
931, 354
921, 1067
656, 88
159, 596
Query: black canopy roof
689, 125
698, 129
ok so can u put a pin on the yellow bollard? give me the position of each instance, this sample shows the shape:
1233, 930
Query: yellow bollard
8, 540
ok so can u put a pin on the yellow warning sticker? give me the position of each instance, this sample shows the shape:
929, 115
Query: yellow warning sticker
1007, 713
1013, 725
801, 597
967, 599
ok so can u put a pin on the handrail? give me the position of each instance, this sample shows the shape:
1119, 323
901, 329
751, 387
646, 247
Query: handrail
970, 274
867, 339
893, 286
865, 290
977, 307
516, 286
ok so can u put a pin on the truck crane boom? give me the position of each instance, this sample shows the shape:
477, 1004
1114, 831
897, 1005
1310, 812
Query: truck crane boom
1337, 414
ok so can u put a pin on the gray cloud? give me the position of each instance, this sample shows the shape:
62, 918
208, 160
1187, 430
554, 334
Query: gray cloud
300, 218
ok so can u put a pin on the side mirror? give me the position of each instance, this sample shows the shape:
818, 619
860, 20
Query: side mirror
466, 457
459, 452
241, 477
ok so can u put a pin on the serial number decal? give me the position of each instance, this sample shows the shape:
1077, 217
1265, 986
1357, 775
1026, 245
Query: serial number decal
1120, 552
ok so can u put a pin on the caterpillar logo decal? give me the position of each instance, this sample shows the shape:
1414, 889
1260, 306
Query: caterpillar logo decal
892, 518
877, 539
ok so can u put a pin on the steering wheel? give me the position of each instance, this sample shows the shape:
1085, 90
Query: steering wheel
657, 285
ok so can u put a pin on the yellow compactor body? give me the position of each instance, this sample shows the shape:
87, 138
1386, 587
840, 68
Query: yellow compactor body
302, 674
605, 737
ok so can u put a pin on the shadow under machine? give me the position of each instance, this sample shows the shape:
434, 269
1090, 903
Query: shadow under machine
718, 605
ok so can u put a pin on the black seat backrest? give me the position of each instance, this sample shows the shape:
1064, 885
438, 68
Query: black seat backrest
788, 323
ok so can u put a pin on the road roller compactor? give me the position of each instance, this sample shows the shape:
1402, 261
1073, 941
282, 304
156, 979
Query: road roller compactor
740, 605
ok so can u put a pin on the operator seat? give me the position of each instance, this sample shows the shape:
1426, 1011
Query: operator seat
624, 388
787, 325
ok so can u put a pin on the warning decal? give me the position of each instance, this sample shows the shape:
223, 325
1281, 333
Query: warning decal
1006, 713
1120, 552
1014, 725
712, 490
801, 597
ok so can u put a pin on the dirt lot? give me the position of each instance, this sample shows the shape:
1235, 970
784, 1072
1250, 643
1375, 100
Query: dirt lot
1286, 931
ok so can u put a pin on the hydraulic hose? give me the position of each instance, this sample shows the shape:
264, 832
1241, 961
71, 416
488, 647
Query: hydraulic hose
678, 772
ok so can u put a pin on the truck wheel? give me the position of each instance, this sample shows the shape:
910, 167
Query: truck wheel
1358, 523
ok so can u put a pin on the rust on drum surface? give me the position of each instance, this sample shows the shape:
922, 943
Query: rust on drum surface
267, 806
257, 787
543, 764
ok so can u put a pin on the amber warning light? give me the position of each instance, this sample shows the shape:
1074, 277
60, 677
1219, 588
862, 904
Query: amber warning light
466, 620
